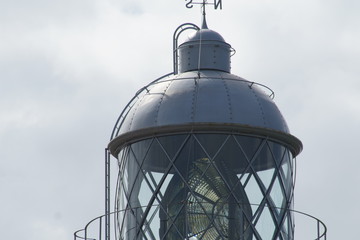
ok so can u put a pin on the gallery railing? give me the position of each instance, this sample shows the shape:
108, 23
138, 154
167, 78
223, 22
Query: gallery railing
307, 228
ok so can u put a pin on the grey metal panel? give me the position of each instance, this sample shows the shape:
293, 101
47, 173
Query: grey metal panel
253, 105
204, 55
147, 111
125, 126
206, 49
203, 97
176, 107
211, 102
245, 107
274, 118
206, 34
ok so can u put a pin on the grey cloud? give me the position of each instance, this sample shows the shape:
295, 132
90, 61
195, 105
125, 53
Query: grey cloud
68, 68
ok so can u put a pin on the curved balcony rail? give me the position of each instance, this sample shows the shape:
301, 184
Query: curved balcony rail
307, 227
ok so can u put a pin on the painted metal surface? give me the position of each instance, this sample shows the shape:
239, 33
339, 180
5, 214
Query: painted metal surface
206, 49
205, 97
288, 140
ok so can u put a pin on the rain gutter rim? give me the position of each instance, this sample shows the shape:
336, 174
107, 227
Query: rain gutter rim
286, 139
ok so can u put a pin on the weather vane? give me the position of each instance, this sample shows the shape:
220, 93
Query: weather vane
217, 3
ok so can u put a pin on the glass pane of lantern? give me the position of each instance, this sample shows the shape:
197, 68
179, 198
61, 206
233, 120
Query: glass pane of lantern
172, 144
249, 145
232, 156
211, 142
266, 177
277, 196
265, 226
254, 194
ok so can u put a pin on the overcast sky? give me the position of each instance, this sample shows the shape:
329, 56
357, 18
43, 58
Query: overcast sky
67, 69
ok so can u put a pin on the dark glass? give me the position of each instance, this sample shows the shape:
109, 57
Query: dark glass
205, 186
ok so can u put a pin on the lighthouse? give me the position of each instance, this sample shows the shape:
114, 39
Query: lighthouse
202, 153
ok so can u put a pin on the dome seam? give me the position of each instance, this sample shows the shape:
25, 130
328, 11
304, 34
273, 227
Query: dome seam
138, 103
228, 97
160, 101
194, 98
260, 105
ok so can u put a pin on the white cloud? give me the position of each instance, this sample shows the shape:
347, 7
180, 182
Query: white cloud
45, 230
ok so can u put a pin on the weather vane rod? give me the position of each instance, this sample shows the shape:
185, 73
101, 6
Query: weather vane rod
217, 3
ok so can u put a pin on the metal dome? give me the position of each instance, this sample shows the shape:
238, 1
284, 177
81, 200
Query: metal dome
206, 35
210, 100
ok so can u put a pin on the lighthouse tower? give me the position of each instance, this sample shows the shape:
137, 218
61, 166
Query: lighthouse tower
202, 154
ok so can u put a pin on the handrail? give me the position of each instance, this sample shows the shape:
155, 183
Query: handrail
176, 35
321, 227
128, 107
321, 235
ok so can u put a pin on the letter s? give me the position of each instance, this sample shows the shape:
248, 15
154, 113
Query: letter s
189, 4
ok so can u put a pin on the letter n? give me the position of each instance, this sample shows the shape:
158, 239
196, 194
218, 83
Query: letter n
218, 3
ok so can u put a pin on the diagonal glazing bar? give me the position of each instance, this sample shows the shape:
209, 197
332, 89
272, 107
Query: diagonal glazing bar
161, 181
189, 188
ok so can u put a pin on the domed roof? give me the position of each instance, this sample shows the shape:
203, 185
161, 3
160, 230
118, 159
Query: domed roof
205, 101
214, 97
205, 35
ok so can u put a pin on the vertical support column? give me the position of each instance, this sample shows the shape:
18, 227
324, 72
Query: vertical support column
107, 194
100, 229
232, 220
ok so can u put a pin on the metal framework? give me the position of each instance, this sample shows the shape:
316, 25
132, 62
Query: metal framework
320, 232
191, 191
249, 177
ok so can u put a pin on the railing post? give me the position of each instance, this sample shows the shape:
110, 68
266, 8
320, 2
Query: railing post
107, 194
100, 229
